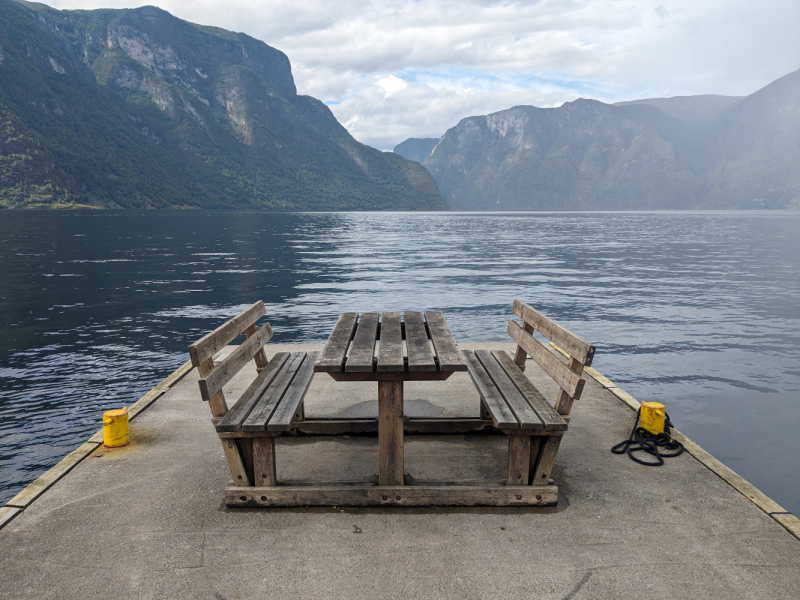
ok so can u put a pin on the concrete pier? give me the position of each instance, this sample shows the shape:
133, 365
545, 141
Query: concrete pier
147, 520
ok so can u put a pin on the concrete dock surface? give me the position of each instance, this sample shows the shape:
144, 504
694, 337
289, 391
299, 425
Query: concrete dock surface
147, 520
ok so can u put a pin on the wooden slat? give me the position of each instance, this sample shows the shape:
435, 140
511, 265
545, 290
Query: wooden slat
362, 348
390, 350
549, 416
443, 343
233, 419
335, 350
287, 408
527, 417
418, 346
264, 461
575, 346
390, 433
501, 415
566, 379
547, 456
235, 462
520, 355
261, 413
261, 356
367, 495
564, 400
208, 345
228, 368
519, 456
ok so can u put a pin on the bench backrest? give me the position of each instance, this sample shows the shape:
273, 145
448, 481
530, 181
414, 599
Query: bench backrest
581, 352
214, 377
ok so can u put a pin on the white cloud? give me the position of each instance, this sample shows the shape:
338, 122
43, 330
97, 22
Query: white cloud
395, 68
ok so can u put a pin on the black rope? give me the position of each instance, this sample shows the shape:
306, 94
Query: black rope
641, 440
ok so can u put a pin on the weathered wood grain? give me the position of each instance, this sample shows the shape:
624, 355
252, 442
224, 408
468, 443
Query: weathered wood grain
335, 351
368, 495
566, 379
547, 456
527, 417
288, 407
390, 348
418, 346
261, 413
549, 415
520, 355
235, 462
217, 403
519, 456
574, 345
443, 343
501, 414
362, 348
261, 356
233, 419
264, 461
227, 369
390, 433
208, 345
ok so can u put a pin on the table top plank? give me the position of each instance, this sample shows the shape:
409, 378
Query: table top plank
527, 417
420, 357
444, 344
362, 348
390, 348
335, 351
257, 421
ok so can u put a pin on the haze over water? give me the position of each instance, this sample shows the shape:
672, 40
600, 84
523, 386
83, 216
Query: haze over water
700, 311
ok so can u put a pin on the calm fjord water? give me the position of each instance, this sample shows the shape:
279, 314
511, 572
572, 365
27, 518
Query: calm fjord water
698, 310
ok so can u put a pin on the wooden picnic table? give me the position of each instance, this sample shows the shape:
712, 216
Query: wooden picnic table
350, 355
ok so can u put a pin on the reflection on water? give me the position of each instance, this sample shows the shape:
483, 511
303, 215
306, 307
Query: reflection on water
700, 311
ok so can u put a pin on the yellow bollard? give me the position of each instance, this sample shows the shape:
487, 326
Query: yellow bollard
115, 427
652, 417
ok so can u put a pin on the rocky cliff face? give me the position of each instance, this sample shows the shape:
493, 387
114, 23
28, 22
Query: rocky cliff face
737, 153
217, 111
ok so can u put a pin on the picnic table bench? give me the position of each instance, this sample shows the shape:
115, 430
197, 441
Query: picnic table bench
273, 405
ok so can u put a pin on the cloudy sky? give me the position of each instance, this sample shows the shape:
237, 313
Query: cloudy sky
395, 69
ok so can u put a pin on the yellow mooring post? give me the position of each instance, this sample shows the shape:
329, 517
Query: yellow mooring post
652, 417
115, 427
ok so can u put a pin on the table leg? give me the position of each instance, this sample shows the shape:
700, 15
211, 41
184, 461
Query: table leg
390, 432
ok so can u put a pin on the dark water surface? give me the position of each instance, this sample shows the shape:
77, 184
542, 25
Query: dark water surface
699, 311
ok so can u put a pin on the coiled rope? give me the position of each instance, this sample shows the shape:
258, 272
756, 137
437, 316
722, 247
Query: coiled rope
641, 440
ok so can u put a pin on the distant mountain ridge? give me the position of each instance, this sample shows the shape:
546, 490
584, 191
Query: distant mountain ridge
136, 108
416, 149
710, 152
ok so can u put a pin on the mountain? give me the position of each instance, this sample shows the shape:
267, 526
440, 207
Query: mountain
416, 149
703, 109
586, 155
136, 108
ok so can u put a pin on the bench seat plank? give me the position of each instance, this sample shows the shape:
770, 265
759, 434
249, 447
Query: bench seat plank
283, 416
418, 347
443, 343
335, 352
390, 349
233, 419
527, 417
501, 414
549, 415
260, 415
362, 348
